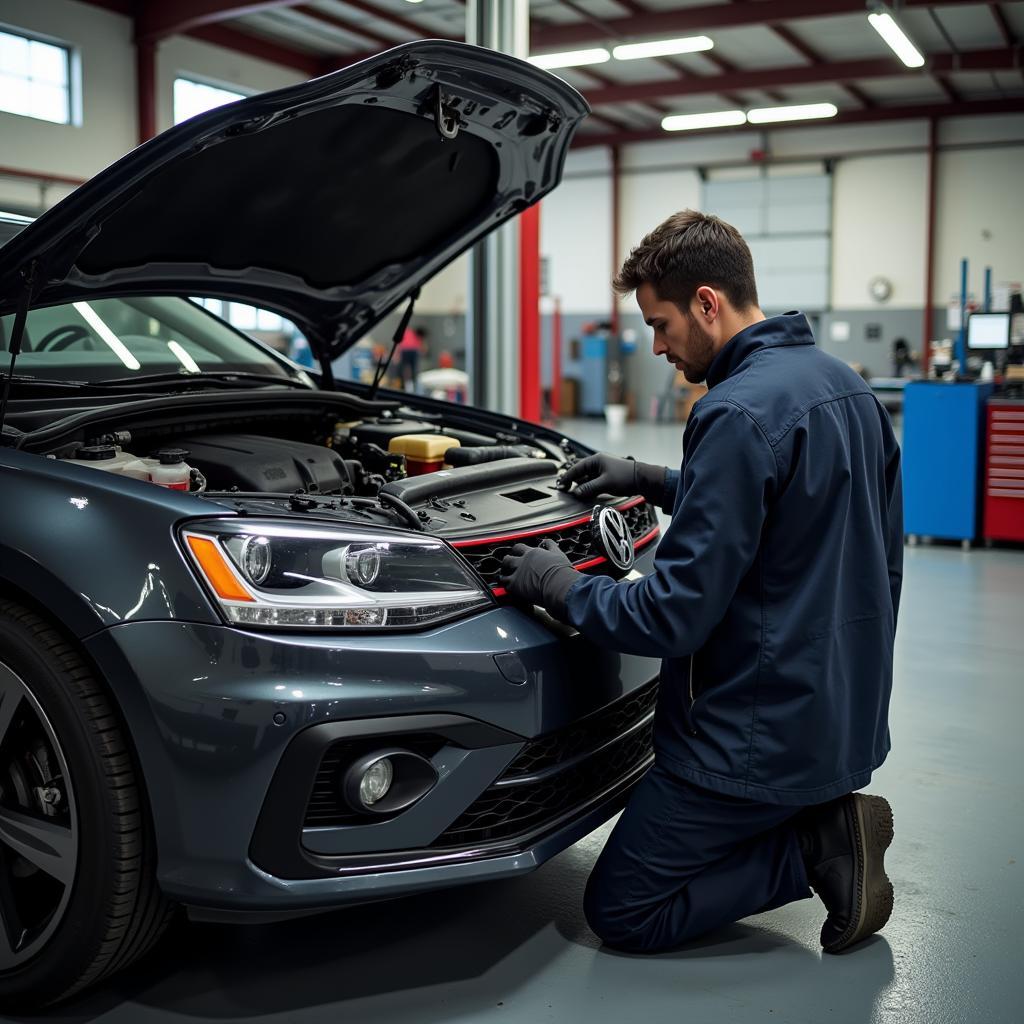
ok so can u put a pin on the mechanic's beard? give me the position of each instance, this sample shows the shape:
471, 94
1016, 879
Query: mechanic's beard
700, 352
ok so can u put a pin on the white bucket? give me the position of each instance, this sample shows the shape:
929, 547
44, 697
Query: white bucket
615, 416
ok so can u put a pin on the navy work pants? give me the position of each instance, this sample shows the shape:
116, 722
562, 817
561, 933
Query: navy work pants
683, 860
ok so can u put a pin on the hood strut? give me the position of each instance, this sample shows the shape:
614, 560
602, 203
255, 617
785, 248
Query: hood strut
17, 333
323, 356
382, 366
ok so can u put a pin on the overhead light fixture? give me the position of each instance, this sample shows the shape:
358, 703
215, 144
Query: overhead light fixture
662, 48
570, 59
889, 29
714, 119
800, 112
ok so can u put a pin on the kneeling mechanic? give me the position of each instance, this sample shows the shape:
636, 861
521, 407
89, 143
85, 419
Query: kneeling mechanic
772, 602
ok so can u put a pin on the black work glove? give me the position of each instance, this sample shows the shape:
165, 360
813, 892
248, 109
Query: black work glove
608, 474
540, 575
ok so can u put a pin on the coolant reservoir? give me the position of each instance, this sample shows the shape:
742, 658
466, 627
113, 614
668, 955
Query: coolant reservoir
169, 469
424, 453
112, 459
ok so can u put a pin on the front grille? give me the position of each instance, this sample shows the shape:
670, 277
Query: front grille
574, 541
557, 773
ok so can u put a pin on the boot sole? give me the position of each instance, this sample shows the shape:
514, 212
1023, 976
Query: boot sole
872, 818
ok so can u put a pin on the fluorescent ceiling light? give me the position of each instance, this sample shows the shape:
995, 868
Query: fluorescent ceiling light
801, 112
662, 48
888, 28
570, 59
715, 119
116, 345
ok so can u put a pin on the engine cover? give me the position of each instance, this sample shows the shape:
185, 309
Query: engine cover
266, 465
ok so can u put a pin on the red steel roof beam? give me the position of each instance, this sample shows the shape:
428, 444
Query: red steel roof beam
792, 40
665, 62
416, 31
352, 28
1009, 37
156, 19
691, 20
766, 78
1002, 24
603, 80
910, 112
309, 64
947, 88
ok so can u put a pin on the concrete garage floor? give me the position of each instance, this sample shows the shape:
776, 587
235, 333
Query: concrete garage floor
520, 951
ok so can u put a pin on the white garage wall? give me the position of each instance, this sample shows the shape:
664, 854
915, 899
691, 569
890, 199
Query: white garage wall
981, 218
879, 214
878, 224
645, 200
446, 293
107, 61
576, 234
879, 221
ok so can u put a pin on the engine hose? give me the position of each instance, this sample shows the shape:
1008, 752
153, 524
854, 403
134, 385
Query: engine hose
492, 453
393, 502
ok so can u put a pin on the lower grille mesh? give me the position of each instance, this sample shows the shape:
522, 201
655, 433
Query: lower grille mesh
574, 766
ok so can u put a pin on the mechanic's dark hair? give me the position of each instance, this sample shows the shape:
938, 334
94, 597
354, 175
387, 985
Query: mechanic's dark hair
686, 251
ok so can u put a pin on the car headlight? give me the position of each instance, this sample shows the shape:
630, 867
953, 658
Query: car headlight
280, 574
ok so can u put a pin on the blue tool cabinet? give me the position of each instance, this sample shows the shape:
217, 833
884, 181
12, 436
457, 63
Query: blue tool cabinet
943, 428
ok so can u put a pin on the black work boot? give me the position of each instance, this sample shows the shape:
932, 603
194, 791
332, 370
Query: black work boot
843, 844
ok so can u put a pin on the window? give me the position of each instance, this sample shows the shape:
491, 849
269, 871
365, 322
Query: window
247, 318
191, 98
105, 339
35, 78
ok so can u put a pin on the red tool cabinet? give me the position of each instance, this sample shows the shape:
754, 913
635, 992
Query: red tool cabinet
1004, 470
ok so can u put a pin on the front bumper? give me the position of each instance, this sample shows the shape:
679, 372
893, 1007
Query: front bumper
220, 719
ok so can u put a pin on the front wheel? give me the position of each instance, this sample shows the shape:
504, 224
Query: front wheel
78, 893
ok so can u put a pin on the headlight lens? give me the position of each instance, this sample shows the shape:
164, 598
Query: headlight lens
280, 574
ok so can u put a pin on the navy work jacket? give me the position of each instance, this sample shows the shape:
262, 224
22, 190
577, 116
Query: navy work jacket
775, 588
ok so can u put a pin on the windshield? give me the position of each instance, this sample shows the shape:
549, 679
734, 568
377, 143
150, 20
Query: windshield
106, 339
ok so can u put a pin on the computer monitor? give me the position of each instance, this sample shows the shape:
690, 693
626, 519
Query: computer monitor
987, 331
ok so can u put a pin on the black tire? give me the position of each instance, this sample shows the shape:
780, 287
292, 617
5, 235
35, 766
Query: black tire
113, 911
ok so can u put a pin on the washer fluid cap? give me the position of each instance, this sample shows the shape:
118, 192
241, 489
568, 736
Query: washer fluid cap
171, 456
96, 452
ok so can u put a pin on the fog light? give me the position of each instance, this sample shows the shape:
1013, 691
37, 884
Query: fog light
387, 781
376, 781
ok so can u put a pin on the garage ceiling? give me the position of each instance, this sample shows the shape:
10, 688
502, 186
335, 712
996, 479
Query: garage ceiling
765, 51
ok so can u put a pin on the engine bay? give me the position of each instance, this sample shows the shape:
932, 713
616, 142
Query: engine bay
482, 488
393, 468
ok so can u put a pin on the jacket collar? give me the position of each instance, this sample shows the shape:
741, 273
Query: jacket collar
788, 329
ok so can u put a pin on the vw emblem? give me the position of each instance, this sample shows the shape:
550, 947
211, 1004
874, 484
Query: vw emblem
611, 534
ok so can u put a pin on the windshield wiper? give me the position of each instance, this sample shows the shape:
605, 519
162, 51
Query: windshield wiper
41, 382
216, 378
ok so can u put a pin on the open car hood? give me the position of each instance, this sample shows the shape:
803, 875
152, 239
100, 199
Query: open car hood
328, 202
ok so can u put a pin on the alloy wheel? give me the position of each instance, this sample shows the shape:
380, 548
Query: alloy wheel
38, 825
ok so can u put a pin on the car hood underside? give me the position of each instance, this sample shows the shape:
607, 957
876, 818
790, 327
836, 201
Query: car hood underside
329, 202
